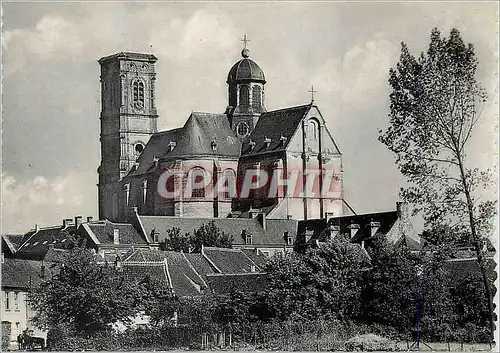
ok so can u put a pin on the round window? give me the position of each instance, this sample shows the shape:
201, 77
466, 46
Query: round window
139, 147
242, 129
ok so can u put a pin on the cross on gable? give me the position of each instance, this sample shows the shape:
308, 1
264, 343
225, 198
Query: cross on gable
312, 91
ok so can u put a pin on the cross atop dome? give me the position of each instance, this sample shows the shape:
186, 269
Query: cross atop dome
245, 52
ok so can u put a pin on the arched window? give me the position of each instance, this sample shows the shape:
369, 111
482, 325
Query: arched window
196, 182
230, 184
244, 95
138, 94
312, 130
256, 96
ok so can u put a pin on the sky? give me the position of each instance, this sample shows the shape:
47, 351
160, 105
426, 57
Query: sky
51, 97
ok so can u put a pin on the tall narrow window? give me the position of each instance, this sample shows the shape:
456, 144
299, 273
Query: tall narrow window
230, 184
196, 182
244, 95
16, 301
138, 94
256, 96
7, 301
312, 130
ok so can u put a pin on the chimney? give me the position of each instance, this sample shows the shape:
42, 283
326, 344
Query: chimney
78, 221
36, 228
116, 236
354, 229
67, 222
328, 216
334, 231
262, 219
90, 219
374, 227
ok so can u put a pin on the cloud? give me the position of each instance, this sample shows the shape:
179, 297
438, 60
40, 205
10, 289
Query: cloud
44, 201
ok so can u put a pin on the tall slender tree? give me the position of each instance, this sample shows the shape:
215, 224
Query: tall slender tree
435, 104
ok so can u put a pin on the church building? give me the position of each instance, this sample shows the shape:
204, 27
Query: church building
243, 161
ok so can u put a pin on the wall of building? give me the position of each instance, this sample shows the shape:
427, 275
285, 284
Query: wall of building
18, 313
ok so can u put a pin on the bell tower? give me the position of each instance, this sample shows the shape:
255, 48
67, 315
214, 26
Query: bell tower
128, 119
246, 94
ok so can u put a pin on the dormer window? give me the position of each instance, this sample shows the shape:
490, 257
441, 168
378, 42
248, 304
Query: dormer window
289, 238
248, 237
267, 141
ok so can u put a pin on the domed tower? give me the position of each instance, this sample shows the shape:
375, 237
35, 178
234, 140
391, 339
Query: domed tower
246, 94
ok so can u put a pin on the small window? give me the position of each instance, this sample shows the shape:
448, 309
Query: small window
16, 301
7, 301
289, 239
139, 147
248, 239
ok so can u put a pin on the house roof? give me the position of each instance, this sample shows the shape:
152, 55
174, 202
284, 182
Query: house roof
257, 257
274, 125
227, 283
185, 281
137, 272
20, 274
11, 242
200, 264
35, 244
104, 232
274, 235
229, 260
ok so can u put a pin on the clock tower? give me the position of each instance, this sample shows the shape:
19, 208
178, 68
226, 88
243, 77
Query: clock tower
128, 119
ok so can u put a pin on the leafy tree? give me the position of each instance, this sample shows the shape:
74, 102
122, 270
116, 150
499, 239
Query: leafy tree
83, 295
324, 281
389, 289
175, 241
210, 235
156, 300
435, 103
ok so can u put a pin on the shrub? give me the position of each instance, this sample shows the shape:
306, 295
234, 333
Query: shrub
6, 333
369, 343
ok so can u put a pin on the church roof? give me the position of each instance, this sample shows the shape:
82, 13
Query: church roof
246, 70
200, 130
274, 125
203, 135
